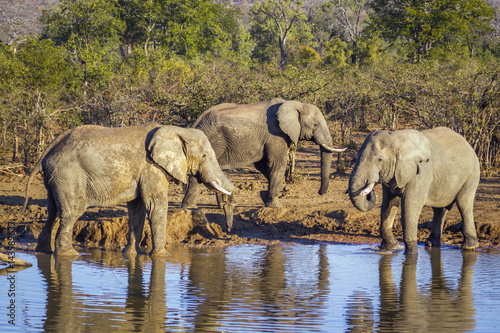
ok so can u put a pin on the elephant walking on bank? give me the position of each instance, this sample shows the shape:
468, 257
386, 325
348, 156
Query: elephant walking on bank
261, 134
435, 168
93, 166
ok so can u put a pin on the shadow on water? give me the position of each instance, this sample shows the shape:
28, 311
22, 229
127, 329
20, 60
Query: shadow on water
299, 288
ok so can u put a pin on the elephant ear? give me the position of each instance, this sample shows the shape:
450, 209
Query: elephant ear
167, 150
288, 119
413, 151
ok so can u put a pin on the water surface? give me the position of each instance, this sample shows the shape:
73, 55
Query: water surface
250, 288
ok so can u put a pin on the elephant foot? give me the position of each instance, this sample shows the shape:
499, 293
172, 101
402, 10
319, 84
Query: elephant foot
190, 206
470, 244
66, 252
433, 242
411, 247
132, 251
274, 203
392, 245
159, 253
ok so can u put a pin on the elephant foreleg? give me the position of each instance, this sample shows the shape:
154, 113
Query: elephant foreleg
411, 207
136, 220
193, 188
434, 239
228, 210
158, 220
465, 203
276, 177
389, 209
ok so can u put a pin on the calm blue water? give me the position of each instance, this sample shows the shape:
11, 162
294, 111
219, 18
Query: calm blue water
249, 288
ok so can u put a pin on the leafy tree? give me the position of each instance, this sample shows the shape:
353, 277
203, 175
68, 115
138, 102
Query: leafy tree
284, 14
183, 27
31, 96
424, 25
321, 19
341, 18
90, 30
336, 52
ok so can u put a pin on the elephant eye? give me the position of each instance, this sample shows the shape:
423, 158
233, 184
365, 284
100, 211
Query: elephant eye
379, 160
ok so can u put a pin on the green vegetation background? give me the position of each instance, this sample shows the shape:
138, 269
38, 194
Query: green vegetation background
367, 64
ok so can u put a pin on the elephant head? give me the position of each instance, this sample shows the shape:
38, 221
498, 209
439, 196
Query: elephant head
182, 152
391, 158
302, 121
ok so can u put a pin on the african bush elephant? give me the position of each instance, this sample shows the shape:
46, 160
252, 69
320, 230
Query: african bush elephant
434, 168
93, 166
260, 134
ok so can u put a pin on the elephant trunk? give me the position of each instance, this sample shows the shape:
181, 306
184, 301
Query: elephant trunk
326, 161
213, 177
361, 192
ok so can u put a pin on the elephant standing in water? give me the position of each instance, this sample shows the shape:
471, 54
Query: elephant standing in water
261, 134
93, 166
435, 168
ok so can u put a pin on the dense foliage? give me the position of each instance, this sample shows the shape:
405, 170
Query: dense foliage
366, 64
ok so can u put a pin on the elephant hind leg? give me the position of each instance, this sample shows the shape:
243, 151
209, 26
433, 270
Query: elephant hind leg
64, 237
434, 239
274, 173
46, 238
136, 219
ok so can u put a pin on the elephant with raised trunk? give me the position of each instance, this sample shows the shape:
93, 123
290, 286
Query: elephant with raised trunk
93, 166
261, 134
435, 168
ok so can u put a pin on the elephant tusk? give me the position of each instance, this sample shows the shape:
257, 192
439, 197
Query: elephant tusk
220, 188
368, 188
333, 150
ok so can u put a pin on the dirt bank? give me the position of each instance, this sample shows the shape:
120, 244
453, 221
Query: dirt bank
306, 216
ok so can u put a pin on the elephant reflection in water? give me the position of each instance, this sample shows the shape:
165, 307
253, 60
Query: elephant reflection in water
261, 284
68, 309
437, 307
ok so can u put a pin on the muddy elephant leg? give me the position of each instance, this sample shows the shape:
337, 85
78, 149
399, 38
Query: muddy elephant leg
434, 239
465, 203
46, 237
64, 237
275, 188
158, 220
389, 209
411, 207
228, 210
264, 169
193, 188
274, 171
220, 199
136, 220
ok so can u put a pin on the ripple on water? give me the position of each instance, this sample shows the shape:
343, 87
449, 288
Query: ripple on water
297, 288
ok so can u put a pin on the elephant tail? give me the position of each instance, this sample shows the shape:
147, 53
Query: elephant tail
38, 168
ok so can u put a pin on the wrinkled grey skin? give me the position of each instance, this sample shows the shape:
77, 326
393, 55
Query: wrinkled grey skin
93, 166
435, 168
260, 134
